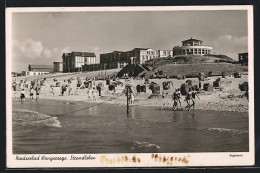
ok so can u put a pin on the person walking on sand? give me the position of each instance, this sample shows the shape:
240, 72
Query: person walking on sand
63, 89
90, 97
69, 89
131, 98
31, 93
52, 91
38, 92
22, 96
179, 96
188, 98
166, 100
176, 96
193, 97
94, 94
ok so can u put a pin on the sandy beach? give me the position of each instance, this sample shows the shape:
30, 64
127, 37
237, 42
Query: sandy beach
228, 98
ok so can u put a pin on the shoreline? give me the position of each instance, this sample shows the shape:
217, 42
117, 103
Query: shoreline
229, 98
233, 109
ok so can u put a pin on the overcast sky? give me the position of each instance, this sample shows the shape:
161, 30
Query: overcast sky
41, 38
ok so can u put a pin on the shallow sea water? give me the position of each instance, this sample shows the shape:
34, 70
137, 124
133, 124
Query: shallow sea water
40, 127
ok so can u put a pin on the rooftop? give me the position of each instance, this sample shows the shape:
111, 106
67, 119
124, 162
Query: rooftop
191, 39
40, 66
87, 54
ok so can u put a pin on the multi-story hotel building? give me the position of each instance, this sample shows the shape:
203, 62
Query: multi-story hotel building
192, 47
119, 59
72, 62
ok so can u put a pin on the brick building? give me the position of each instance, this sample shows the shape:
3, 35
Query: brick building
243, 58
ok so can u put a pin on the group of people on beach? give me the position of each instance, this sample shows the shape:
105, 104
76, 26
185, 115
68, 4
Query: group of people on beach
36, 88
92, 94
189, 97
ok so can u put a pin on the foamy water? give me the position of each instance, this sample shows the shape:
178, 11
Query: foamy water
31, 118
42, 128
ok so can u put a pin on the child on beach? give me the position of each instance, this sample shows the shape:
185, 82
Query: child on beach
22, 96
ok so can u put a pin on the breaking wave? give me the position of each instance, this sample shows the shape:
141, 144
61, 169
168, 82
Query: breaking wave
145, 147
31, 118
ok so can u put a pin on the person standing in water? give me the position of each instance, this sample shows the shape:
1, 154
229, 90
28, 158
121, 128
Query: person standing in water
31, 93
22, 96
188, 98
176, 96
193, 97
179, 96
37, 92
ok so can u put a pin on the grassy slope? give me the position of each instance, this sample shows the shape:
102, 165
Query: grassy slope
193, 64
194, 69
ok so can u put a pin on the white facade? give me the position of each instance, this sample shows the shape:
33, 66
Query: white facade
192, 47
33, 73
165, 53
90, 60
148, 54
192, 50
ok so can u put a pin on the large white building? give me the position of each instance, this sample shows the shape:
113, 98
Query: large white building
164, 53
73, 62
34, 69
192, 47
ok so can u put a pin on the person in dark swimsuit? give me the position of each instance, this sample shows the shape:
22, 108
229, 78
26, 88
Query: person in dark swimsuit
176, 99
193, 97
37, 89
31, 93
188, 98
22, 96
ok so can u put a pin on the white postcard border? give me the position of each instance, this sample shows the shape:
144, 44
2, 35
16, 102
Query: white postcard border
133, 159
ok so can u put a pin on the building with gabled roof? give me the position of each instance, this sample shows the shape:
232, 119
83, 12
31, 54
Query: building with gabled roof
37, 69
40, 68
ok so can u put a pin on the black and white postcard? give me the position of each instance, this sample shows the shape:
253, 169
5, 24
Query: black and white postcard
161, 86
